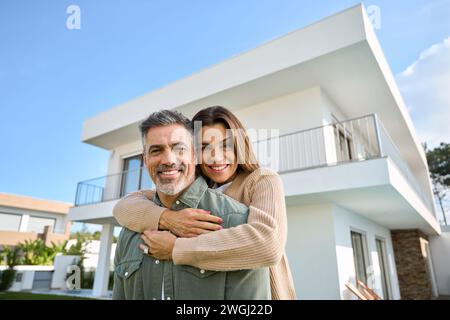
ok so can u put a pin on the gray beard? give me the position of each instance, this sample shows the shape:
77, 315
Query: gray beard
174, 189
170, 189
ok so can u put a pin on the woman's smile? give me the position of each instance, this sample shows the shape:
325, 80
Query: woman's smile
218, 168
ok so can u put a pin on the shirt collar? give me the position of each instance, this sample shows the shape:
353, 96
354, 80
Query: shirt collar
223, 187
192, 196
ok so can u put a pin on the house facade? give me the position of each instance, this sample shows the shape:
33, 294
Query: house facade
26, 218
323, 109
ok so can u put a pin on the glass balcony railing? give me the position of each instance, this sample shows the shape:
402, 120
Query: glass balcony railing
357, 139
350, 140
112, 187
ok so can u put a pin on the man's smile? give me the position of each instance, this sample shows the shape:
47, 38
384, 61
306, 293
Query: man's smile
169, 173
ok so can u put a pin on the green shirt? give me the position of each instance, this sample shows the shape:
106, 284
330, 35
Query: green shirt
139, 276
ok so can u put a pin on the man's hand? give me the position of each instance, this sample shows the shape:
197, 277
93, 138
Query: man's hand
160, 244
189, 222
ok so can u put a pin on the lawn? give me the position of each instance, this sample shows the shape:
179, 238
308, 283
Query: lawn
36, 296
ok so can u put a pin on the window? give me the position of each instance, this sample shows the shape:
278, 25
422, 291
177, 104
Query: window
382, 259
9, 222
343, 143
359, 256
37, 224
343, 140
135, 176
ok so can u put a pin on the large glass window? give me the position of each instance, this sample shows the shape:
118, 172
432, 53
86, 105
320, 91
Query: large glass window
37, 224
359, 256
135, 176
9, 222
381, 251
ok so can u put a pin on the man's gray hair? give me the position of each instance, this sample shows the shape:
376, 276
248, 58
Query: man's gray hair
165, 118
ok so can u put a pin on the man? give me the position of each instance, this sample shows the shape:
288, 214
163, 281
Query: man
170, 160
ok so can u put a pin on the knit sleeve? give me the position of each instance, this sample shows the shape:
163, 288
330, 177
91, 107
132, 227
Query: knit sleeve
137, 212
258, 243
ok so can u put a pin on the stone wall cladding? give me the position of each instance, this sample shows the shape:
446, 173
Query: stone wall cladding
413, 278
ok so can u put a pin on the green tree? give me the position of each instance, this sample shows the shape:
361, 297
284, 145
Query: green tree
86, 235
439, 165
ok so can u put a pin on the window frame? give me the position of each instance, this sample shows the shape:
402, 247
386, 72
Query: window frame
365, 254
43, 218
142, 170
383, 244
20, 216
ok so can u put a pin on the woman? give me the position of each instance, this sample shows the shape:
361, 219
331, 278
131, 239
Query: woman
230, 166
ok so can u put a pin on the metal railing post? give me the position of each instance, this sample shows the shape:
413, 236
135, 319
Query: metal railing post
377, 132
77, 194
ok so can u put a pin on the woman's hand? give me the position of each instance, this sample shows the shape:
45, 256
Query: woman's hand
159, 244
189, 222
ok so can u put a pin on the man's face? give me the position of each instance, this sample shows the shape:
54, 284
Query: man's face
169, 158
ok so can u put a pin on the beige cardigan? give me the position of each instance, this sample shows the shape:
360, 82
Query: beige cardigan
259, 243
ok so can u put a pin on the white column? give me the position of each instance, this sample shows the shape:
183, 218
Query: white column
102, 272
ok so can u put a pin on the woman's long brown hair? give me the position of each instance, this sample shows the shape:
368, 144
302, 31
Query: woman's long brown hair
247, 161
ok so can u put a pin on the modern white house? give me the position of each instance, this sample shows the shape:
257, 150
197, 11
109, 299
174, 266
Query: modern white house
359, 199
25, 218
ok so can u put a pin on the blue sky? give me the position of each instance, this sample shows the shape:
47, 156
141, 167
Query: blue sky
53, 78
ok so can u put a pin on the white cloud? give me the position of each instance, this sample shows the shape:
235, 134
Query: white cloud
425, 86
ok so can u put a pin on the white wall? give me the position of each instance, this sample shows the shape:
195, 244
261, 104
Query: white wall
288, 113
311, 252
440, 254
346, 221
329, 108
283, 115
115, 163
26, 282
320, 253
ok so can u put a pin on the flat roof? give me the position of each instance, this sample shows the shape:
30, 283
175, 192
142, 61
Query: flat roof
26, 202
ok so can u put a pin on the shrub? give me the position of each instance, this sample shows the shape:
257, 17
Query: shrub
7, 278
37, 253
12, 258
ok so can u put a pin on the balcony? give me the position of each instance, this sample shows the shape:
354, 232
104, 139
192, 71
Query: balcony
355, 140
112, 187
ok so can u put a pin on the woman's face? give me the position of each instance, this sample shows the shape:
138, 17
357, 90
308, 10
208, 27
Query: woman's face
218, 155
